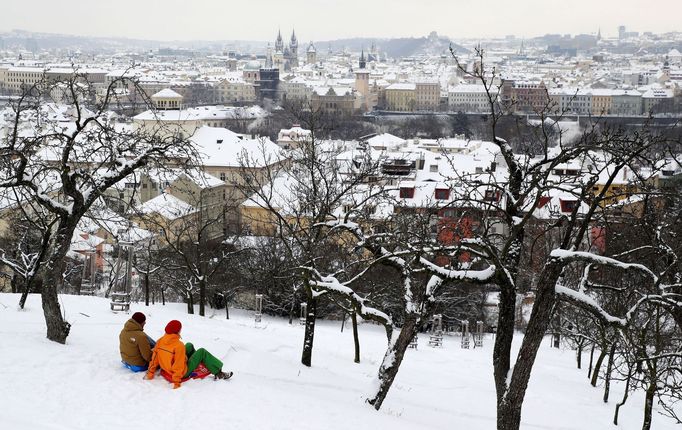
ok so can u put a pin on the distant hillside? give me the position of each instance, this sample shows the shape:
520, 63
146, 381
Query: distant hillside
393, 48
398, 47
35, 42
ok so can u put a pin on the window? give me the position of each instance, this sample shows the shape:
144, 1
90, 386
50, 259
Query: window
492, 196
222, 176
406, 193
442, 193
568, 205
448, 213
433, 168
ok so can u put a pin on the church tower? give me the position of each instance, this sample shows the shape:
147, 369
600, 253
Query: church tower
666, 67
311, 54
268, 57
293, 48
362, 84
279, 43
293, 44
374, 52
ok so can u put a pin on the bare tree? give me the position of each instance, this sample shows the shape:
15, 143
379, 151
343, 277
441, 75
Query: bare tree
23, 247
528, 177
195, 236
66, 167
300, 191
405, 243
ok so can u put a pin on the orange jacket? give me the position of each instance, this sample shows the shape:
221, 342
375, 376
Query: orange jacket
169, 353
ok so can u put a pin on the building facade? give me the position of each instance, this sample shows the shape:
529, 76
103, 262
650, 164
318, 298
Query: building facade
401, 97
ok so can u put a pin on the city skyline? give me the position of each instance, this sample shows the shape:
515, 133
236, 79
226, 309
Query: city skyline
328, 20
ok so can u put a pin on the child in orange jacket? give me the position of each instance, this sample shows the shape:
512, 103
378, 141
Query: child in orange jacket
179, 359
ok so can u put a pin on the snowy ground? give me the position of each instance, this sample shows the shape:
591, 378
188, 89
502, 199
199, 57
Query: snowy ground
81, 385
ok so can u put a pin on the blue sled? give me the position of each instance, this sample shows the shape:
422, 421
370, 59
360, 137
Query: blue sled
134, 368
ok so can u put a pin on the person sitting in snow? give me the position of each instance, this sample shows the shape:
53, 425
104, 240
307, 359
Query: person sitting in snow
179, 359
134, 344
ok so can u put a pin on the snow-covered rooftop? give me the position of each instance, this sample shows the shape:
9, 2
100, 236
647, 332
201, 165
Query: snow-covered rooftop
166, 93
222, 147
166, 205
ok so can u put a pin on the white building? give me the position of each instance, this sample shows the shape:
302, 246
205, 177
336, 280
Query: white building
469, 98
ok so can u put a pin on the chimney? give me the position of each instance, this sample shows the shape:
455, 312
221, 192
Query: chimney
420, 162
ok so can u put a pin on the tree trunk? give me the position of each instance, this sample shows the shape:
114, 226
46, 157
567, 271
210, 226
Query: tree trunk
649, 405
53, 279
625, 396
163, 297
14, 283
202, 296
356, 339
579, 356
509, 406
589, 369
597, 366
393, 358
24, 293
506, 321
227, 309
146, 288
309, 336
190, 303
293, 307
607, 377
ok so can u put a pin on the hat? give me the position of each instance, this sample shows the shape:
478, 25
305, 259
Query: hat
139, 317
173, 327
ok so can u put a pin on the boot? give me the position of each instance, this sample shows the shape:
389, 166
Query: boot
223, 375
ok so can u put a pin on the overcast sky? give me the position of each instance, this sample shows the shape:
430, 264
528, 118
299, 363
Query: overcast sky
332, 19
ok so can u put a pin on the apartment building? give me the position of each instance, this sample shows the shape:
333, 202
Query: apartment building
13, 79
524, 96
626, 103
234, 89
427, 96
334, 100
401, 97
469, 98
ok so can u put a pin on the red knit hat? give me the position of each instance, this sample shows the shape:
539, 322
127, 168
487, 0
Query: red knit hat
173, 327
139, 317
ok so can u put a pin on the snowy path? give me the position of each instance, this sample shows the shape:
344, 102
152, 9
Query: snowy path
82, 385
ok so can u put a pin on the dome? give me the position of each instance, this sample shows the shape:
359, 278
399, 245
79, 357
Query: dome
252, 65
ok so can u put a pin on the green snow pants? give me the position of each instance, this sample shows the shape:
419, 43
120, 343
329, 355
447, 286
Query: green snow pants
194, 357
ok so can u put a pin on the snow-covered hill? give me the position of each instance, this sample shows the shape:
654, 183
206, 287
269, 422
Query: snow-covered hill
82, 385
